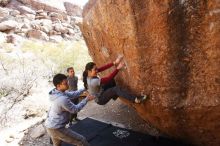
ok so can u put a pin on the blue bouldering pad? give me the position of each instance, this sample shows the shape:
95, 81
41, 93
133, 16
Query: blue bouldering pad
99, 133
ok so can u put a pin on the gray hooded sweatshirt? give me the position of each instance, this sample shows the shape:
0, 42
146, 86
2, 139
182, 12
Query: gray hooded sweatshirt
62, 107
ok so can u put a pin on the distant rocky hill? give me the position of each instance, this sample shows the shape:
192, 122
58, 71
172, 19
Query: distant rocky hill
45, 20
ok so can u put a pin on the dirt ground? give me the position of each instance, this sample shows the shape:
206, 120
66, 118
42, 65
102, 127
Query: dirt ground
115, 112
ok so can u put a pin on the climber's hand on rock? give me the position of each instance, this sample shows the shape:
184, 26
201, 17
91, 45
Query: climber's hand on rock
118, 60
120, 65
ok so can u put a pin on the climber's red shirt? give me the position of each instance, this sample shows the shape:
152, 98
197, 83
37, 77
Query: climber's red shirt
108, 78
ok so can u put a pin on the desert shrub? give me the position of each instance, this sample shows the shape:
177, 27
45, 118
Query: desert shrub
18, 73
58, 56
20, 67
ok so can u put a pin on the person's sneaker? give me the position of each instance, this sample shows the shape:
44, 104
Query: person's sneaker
74, 121
140, 99
71, 123
77, 119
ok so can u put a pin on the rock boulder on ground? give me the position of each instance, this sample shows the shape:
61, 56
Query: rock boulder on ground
4, 12
8, 25
37, 34
38, 131
172, 53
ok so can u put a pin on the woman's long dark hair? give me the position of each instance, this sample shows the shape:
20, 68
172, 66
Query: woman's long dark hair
89, 66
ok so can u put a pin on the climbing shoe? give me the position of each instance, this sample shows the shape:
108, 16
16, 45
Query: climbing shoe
140, 99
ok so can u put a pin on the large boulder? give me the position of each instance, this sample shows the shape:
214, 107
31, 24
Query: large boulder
37, 132
14, 13
60, 28
8, 25
56, 16
37, 34
172, 52
26, 10
56, 38
4, 12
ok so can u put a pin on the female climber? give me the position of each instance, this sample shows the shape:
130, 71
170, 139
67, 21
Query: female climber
105, 89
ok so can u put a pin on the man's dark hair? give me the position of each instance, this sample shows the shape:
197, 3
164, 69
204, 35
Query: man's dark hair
58, 78
69, 68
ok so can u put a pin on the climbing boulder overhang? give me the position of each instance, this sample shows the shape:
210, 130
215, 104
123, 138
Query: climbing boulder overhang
172, 53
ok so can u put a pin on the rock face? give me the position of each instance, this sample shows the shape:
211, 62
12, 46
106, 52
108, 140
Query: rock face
172, 52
